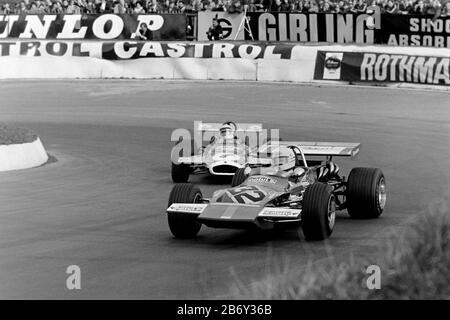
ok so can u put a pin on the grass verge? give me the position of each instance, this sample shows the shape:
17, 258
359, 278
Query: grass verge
416, 265
15, 135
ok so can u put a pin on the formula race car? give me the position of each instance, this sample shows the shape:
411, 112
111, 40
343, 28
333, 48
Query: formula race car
224, 153
291, 192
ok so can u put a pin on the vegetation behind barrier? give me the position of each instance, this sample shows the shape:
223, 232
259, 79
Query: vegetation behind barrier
416, 265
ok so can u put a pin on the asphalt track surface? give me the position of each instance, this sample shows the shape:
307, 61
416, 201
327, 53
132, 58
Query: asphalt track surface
101, 206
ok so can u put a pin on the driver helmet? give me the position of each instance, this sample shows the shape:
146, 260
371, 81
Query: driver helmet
283, 158
226, 131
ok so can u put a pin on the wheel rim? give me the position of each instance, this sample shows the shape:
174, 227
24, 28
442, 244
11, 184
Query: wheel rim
381, 191
331, 215
197, 199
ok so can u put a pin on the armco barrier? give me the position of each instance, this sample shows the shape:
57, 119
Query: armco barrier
222, 60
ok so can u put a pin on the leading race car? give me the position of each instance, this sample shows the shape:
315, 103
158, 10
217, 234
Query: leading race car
291, 192
224, 153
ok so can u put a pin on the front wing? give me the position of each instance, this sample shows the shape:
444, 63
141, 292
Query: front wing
237, 216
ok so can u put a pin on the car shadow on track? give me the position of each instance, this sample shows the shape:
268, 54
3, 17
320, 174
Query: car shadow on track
253, 237
206, 179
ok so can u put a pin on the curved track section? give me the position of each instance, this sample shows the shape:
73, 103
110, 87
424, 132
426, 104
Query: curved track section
101, 206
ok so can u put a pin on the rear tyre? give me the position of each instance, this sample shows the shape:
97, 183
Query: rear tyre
181, 171
366, 193
184, 225
239, 177
319, 212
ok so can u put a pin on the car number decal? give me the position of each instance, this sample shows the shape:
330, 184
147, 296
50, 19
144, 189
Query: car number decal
247, 194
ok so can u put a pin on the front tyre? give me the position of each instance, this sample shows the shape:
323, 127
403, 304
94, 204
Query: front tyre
318, 212
184, 225
239, 177
366, 193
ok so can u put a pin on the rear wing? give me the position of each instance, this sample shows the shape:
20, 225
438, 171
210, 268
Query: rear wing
242, 127
340, 149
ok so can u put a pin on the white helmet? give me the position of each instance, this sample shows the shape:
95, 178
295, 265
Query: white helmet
226, 131
283, 158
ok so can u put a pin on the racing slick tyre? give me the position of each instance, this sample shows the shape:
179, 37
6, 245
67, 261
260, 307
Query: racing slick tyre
181, 171
319, 212
366, 193
184, 225
239, 177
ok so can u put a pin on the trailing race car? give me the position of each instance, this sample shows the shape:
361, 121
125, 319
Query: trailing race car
222, 156
291, 192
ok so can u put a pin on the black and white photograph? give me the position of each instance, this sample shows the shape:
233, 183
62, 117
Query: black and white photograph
223, 155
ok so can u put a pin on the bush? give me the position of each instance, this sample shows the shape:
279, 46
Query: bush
416, 265
14, 135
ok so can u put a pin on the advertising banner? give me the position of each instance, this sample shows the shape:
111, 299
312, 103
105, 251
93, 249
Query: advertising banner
367, 28
382, 67
125, 50
414, 30
373, 28
92, 26
311, 27
229, 23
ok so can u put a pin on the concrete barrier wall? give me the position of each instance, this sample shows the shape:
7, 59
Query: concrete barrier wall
280, 62
160, 68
